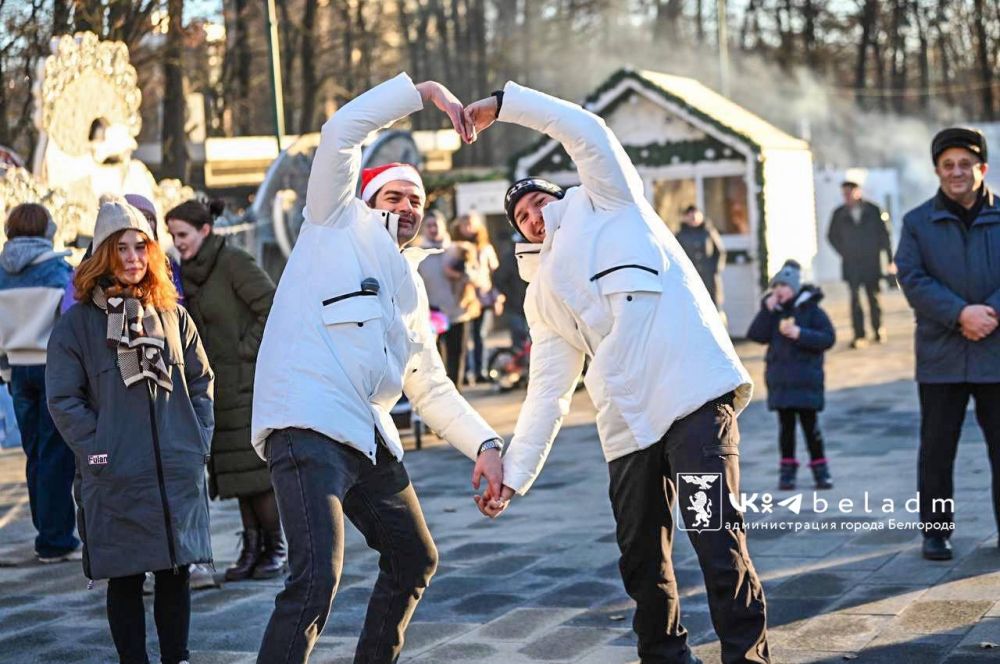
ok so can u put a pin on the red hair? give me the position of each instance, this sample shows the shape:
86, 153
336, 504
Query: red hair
156, 288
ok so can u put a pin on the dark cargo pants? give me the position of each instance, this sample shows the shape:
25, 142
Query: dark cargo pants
644, 489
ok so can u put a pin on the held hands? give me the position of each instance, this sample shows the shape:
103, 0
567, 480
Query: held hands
448, 103
977, 321
467, 121
496, 496
481, 114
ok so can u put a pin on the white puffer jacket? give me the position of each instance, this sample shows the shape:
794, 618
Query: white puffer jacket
333, 359
610, 282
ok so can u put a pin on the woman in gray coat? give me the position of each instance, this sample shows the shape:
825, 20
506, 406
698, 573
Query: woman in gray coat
130, 389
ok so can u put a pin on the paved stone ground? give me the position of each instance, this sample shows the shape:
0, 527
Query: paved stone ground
541, 583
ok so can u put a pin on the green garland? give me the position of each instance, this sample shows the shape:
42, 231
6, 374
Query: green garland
662, 154
652, 154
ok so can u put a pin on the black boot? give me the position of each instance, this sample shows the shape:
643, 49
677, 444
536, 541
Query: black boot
821, 474
273, 557
937, 547
786, 475
244, 566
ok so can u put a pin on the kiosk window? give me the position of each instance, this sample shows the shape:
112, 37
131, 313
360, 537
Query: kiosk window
726, 204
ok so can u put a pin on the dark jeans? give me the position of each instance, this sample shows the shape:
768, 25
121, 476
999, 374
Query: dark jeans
643, 492
474, 363
171, 610
810, 428
50, 464
451, 345
872, 289
942, 412
318, 482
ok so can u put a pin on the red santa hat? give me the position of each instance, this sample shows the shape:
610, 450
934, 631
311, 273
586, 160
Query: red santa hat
373, 179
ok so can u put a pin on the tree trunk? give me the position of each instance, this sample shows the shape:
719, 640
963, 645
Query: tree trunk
699, 22
923, 59
288, 35
60, 17
365, 44
307, 53
667, 14
449, 46
749, 24
237, 69
347, 49
867, 21
809, 34
174, 138
897, 56
983, 59
942, 46
880, 75
5, 137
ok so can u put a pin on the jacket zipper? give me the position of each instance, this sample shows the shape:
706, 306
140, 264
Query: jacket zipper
159, 477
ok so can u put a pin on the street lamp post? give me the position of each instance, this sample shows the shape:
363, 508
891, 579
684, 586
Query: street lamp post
723, 47
274, 51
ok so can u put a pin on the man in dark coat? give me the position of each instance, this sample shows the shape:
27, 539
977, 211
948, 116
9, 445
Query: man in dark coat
860, 232
949, 268
703, 245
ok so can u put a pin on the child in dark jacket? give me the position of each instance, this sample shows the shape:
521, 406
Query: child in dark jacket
797, 333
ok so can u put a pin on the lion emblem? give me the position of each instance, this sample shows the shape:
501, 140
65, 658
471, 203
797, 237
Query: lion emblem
699, 503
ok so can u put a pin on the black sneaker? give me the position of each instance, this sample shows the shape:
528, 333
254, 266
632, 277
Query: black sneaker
937, 548
858, 343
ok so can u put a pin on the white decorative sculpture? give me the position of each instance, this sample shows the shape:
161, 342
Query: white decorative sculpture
87, 100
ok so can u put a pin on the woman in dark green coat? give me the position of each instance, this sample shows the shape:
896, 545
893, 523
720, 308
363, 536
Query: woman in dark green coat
229, 297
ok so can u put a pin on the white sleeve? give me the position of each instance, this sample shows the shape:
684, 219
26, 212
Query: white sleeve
606, 172
336, 166
435, 397
555, 368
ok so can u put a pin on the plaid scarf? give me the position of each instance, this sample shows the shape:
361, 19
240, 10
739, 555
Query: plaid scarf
136, 332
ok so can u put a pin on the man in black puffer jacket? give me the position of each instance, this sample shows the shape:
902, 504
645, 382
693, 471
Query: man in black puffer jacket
797, 332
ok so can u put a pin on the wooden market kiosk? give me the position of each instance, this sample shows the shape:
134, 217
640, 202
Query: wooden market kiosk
692, 145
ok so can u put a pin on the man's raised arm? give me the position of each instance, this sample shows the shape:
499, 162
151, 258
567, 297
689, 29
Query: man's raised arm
606, 172
337, 163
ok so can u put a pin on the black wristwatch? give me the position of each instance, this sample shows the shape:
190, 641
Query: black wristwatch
491, 444
499, 95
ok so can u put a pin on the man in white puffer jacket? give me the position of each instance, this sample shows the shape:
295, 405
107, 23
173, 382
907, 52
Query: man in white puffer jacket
348, 331
608, 281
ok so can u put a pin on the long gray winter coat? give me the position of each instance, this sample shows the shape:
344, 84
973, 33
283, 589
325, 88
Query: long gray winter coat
141, 494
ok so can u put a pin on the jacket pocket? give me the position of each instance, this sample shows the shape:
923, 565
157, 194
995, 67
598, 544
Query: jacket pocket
357, 335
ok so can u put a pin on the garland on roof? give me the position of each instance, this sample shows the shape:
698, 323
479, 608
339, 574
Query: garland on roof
652, 154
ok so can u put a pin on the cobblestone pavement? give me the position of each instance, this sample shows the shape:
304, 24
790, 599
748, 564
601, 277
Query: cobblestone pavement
541, 583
